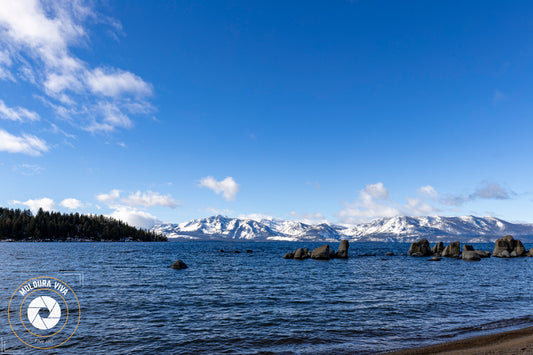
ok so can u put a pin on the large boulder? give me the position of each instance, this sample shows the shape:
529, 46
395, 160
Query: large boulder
300, 254
321, 253
452, 251
470, 255
420, 248
508, 247
438, 248
343, 250
178, 265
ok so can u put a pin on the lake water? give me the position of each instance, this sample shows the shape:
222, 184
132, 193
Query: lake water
250, 303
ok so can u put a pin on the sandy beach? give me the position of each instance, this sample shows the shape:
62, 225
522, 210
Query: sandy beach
510, 342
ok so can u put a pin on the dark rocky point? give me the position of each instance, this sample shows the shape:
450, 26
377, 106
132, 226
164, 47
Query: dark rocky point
420, 248
288, 256
178, 265
483, 253
438, 248
470, 255
507, 247
467, 247
452, 251
321, 253
343, 250
435, 258
300, 254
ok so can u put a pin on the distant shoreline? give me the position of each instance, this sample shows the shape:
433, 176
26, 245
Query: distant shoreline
518, 341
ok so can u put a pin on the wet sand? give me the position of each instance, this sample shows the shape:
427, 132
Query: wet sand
510, 342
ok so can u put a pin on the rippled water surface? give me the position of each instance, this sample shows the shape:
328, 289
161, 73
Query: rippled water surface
132, 302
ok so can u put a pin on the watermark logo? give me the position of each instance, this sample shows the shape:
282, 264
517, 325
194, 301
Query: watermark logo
44, 312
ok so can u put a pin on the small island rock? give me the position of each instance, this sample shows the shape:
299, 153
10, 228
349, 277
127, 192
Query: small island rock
343, 249
420, 248
288, 256
470, 255
438, 248
452, 251
321, 253
300, 254
508, 247
467, 247
178, 265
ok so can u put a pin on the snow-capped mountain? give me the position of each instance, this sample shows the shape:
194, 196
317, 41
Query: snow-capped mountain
464, 228
217, 228
394, 229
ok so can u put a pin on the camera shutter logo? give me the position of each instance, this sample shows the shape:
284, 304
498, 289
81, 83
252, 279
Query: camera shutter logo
44, 312
54, 312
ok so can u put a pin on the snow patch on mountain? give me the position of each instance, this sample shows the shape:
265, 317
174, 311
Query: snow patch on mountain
395, 229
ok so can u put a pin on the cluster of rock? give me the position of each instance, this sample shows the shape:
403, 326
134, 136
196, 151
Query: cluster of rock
320, 253
453, 250
506, 247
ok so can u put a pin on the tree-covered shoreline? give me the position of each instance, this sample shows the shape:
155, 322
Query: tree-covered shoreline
22, 225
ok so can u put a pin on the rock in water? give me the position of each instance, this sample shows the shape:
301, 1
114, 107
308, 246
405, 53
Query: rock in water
321, 253
437, 248
483, 253
530, 252
389, 253
508, 247
467, 247
420, 248
343, 249
300, 254
288, 256
470, 255
452, 251
519, 248
435, 258
178, 265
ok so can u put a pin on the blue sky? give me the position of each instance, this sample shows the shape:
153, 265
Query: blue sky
339, 111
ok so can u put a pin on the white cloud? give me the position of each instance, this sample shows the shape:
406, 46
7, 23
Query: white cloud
374, 202
428, 191
71, 203
16, 113
36, 40
110, 197
45, 203
116, 82
149, 199
135, 217
227, 187
485, 191
416, 207
25, 144
377, 191
367, 207
490, 190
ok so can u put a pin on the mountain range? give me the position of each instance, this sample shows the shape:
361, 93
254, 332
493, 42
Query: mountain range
394, 229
